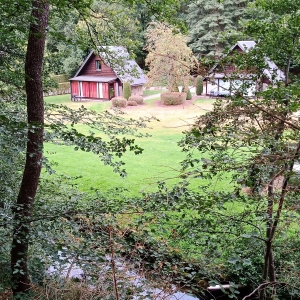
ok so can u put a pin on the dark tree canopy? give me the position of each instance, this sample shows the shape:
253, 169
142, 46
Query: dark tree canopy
208, 20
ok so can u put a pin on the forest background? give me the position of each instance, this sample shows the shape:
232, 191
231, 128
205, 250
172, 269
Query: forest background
187, 238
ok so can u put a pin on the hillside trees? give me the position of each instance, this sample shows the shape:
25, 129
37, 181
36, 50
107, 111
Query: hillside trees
257, 141
71, 39
111, 23
169, 58
207, 21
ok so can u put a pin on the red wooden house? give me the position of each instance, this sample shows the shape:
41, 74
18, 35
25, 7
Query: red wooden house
218, 83
102, 76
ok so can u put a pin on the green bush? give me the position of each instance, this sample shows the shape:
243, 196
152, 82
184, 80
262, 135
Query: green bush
138, 99
126, 90
199, 85
119, 102
174, 98
188, 95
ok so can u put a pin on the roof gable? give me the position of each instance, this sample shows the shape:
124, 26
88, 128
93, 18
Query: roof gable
84, 63
245, 46
117, 58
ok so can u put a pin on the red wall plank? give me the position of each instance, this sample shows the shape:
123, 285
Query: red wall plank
105, 90
93, 90
85, 89
115, 89
75, 89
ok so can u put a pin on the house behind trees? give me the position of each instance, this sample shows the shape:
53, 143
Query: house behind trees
223, 79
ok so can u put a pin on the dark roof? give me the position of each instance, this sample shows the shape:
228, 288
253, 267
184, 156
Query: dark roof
94, 78
126, 69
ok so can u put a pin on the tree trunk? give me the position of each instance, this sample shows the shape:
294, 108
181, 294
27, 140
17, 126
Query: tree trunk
31, 174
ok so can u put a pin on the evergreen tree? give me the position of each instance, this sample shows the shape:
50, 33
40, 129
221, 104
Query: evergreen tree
199, 85
126, 90
188, 95
207, 20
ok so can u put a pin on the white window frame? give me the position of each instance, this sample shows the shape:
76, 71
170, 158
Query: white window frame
98, 65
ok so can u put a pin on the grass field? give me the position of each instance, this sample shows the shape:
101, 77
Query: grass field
159, 161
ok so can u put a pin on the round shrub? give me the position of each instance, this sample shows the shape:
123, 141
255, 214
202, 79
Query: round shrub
119, 102
188, 95
126, 90
199, 85
173, 98
131, 103
138, 99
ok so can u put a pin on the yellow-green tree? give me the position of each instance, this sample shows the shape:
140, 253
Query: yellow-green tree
169, 58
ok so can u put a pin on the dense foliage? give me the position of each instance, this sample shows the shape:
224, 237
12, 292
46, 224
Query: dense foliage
246, 234
255, 141
25, 77
210, 24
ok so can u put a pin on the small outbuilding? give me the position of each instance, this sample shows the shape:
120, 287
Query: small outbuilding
218, 83
102, 75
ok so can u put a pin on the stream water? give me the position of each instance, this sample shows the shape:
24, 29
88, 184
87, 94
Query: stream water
146, 290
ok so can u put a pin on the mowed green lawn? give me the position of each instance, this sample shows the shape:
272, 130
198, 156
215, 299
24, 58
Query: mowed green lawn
160, 159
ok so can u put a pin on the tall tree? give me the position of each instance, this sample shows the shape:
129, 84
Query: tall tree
35, 118
169, 58
208, 20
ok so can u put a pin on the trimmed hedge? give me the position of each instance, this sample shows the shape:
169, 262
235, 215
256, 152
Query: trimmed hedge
199, 86
131, 103
173, 98
188, 95
187, 91
126, 90
119, 102
138, 99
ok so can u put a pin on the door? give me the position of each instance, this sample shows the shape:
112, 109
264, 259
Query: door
86, 89
93, 90
105, 89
